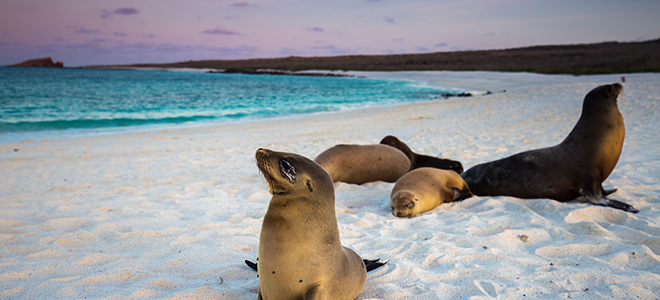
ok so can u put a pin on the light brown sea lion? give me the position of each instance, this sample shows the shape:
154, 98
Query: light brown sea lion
300, 254
423, 189
574, 169
421, 160
360, 164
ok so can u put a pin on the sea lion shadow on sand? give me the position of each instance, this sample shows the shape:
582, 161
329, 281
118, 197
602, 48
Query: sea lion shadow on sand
300, 252
572, 170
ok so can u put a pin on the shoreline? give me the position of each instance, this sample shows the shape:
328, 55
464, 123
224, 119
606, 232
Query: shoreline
473, 83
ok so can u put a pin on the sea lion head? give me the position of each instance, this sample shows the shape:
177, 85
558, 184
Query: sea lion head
604, 95
393, 141
289, 173
403, 204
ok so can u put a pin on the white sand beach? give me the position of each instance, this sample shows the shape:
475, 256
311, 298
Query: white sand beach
172, 214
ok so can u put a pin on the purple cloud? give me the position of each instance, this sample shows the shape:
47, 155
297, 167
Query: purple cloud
151, 35
423, 49
243, 4
119, 11
86, 31
220, 31
389, 20
120, 34
442, 45
316, 29
126, 11
291, 51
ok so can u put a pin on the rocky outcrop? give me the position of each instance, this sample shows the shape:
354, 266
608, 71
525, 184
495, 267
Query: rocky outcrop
40, 63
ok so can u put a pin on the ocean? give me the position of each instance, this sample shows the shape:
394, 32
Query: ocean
41, 103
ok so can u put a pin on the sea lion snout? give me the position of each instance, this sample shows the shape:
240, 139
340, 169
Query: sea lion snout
262, 156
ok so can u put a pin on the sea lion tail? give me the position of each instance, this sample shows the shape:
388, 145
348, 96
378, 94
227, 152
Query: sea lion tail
372, 264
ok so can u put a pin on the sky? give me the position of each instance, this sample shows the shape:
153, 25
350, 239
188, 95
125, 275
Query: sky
94, 32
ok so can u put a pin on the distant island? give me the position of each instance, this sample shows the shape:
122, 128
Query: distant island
46, 62
579, 59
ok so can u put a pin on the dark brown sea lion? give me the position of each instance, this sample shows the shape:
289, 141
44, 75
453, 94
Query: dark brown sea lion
573, 170
421, 160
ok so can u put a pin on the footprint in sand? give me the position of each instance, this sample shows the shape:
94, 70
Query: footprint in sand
486, 288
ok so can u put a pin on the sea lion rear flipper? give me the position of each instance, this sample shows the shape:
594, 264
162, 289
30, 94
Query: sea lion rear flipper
461, 194
608, 192
372, 264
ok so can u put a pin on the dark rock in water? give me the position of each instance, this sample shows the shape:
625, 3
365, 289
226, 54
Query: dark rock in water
40, 63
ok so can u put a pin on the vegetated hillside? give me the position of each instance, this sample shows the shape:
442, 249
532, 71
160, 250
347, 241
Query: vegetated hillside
600, 58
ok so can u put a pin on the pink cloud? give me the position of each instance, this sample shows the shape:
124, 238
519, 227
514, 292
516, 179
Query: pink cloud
220, 31
243, 4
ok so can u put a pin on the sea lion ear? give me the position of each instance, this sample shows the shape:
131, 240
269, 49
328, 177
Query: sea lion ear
309, 185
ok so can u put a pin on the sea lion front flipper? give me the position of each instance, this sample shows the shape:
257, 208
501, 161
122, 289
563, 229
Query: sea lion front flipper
372, 264
620, 205
313, 293
602, 201
251, 265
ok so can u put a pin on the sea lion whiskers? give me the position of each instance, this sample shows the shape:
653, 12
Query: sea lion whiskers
265, 169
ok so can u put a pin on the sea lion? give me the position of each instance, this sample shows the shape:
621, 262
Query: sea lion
300, 254
572, 170
421, 160
360, 164
423, 189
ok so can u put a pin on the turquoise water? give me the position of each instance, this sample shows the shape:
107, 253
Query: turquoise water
54, 103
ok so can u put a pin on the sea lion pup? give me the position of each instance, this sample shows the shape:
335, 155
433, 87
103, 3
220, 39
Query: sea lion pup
300, 254
423, 189
360, 164
421, 160
574, 169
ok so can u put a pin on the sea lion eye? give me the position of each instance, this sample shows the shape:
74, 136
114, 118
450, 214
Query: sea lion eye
288, 170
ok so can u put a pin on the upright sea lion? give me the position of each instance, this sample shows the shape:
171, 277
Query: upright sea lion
421, 160
300, 254
574, 169
423, 189
360, 164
